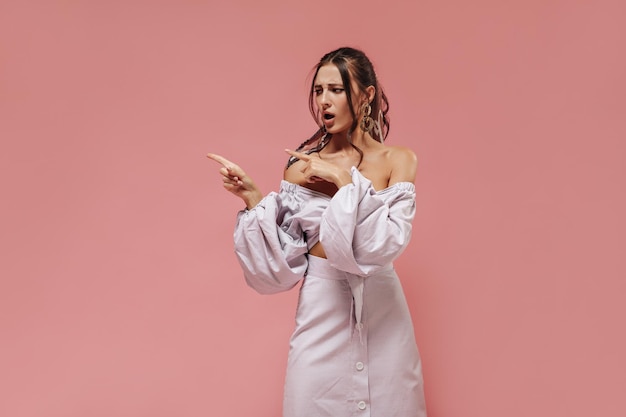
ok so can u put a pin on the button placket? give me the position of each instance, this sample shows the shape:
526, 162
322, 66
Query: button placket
359, 357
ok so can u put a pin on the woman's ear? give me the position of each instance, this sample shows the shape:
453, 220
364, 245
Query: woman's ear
370, 92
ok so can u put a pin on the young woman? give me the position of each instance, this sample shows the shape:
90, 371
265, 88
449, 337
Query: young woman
342, 215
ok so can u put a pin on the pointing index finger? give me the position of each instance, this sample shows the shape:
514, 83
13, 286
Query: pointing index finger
219, 159
299, 155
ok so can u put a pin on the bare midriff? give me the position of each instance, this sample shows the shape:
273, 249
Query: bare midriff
317, 250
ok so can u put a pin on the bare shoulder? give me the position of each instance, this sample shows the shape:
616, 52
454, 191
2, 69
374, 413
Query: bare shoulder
402, 154
403, 164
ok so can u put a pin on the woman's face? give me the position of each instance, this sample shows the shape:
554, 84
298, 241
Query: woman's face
331, 99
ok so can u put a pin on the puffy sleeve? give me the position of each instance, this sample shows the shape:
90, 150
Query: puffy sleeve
362, 230
270, 247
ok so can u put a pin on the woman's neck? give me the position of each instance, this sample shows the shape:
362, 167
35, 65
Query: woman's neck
357, 138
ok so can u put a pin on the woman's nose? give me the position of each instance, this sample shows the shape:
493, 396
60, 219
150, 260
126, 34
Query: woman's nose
324, 99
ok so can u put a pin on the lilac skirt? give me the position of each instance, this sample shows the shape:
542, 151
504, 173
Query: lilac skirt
353, 350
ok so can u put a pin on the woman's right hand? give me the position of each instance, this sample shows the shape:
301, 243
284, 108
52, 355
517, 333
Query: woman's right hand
237, 181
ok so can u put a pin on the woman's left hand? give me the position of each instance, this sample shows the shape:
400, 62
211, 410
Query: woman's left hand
316, 169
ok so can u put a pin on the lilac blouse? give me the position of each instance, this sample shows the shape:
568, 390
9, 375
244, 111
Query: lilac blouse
361, 230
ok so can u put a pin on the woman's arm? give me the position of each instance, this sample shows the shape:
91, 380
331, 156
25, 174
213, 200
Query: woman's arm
403, 165
271, 249
361, 231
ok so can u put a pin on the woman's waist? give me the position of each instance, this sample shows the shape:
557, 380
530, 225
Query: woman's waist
320, 267
317, 250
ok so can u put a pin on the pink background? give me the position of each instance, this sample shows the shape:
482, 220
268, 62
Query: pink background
119, 291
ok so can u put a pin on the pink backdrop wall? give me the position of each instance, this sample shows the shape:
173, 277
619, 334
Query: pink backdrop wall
119, 292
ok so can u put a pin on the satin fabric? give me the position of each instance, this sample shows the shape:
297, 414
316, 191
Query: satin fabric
353, 350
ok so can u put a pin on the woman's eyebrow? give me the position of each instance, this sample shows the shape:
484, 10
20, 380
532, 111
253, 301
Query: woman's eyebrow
330, 85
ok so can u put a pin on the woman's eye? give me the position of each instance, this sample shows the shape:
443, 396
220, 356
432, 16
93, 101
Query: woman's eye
317, 91
337, 90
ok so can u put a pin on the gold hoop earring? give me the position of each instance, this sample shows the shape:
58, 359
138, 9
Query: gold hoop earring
366, 122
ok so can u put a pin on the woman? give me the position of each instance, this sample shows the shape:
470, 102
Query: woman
342, 215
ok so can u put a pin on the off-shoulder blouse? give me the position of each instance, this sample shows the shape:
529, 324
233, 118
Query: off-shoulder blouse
362, 231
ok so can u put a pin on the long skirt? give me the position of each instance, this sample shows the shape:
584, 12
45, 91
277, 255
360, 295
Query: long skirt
353, 351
